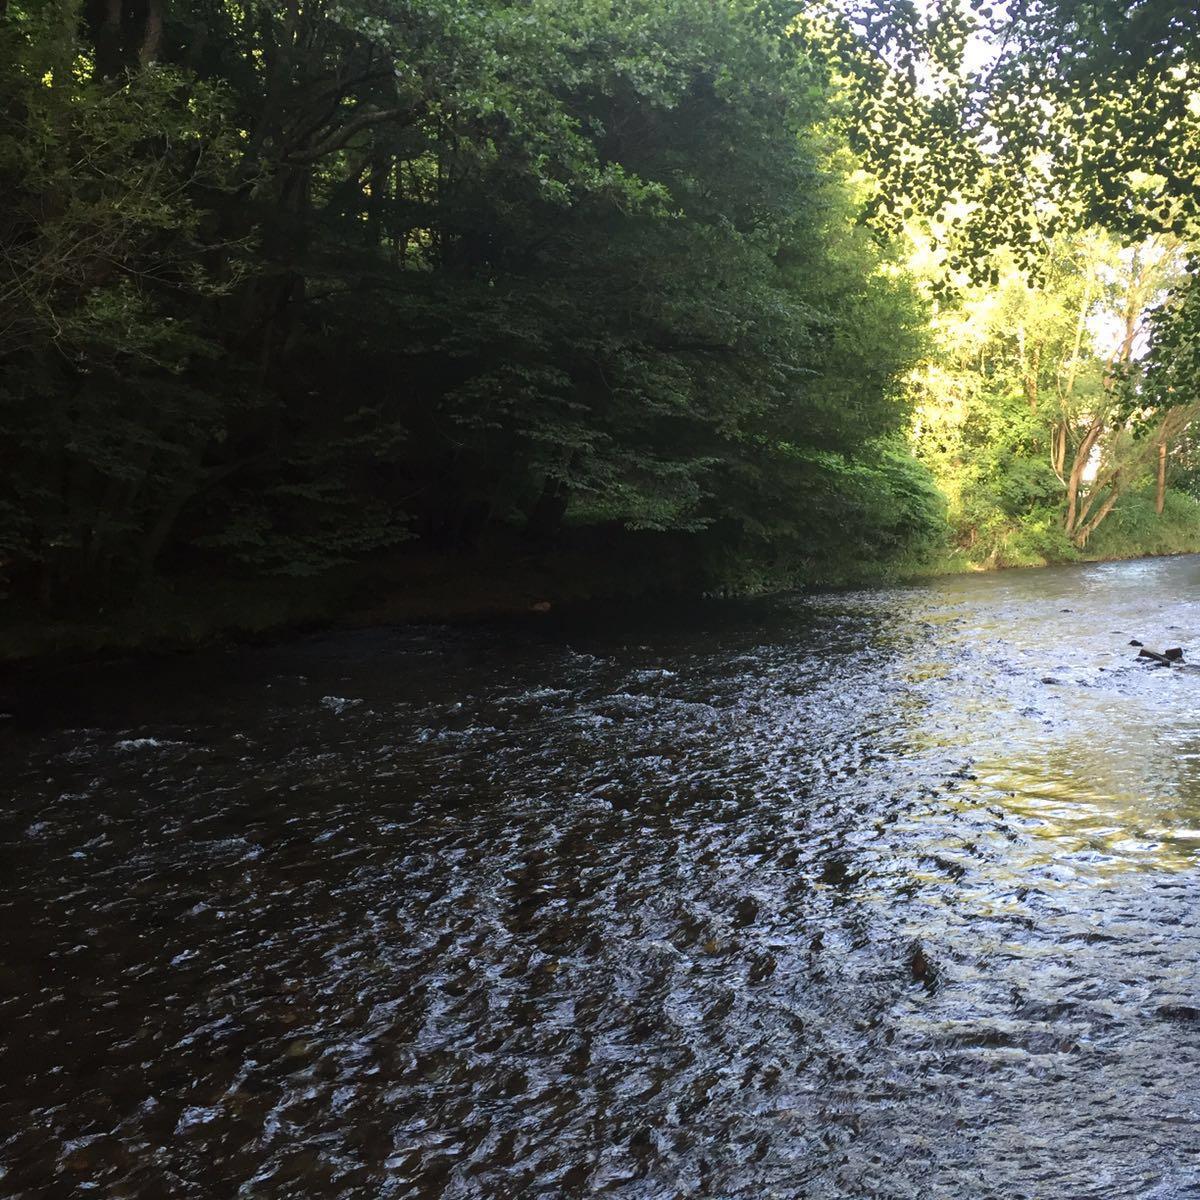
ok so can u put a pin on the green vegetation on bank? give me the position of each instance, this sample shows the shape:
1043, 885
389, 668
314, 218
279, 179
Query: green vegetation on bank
311, 310
1044, 429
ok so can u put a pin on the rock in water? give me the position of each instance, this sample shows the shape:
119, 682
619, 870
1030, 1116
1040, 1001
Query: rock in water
1154, 656
923, 970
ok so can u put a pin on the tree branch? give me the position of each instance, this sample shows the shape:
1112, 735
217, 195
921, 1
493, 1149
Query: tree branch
338, 138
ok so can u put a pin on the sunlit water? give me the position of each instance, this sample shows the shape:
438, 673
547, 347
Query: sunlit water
882, 894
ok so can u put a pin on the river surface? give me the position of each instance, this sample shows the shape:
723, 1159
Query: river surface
888, 893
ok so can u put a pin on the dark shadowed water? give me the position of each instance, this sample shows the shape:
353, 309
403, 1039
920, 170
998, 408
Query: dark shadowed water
882, 894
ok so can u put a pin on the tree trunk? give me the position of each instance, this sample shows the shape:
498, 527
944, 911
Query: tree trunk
1085, 531
546, 517
186, 486
1058, 449
1077, 468
1085, 307
1077, 525
109, 51
1030, 381
1160, 491
152, 34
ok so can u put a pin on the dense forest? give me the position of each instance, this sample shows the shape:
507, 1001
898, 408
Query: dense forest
721, 295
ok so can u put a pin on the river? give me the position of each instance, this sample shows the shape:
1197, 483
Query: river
887, 893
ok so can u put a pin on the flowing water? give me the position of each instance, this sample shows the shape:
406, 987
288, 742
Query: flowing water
878, 894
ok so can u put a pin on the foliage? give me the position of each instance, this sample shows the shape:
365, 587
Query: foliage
1036, 414
289, 285
1014, 123
295, 283
109, 284
1135, 527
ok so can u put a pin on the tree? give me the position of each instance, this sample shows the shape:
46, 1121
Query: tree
313, 281
1036, 414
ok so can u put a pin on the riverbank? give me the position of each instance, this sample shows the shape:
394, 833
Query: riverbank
190, 612
194, 609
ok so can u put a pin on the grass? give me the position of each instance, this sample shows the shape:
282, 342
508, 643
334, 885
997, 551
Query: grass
1134, 529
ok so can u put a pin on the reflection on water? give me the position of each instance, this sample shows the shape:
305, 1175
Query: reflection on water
880, 894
